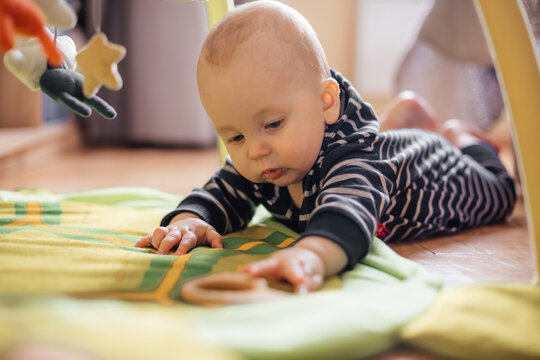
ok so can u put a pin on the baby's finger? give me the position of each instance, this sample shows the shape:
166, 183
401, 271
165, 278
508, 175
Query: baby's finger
265, 268
296, 275
189, 241
309, 283
301, 288
144, 241
214, 238
304, 277
158, 236
169, 241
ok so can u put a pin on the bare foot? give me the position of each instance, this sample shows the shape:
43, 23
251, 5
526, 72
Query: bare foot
409, 110
462, 134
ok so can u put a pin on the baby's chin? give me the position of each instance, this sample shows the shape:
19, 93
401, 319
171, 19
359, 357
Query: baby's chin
260, 180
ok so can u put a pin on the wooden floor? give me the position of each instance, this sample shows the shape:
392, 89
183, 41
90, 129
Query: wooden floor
177, 171
483, 255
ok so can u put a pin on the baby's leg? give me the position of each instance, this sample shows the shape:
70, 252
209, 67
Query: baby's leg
409, 110
463, 134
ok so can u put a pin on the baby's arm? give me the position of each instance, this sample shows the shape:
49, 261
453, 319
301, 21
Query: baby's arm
186, 230
226, 201
304, 265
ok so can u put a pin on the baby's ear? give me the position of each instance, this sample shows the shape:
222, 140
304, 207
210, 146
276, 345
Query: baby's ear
330, 100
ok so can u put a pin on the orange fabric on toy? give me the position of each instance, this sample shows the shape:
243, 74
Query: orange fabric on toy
24, 17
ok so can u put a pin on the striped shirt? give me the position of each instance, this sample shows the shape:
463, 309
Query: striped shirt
398, 184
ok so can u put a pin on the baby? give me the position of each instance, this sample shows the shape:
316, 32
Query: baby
304, 144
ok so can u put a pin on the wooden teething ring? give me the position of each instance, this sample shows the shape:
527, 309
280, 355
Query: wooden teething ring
228, 288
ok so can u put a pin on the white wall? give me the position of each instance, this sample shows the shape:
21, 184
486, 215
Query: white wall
335, 24
385, 30
365, 39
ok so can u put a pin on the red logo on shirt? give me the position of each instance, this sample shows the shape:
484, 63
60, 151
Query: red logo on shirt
382, 231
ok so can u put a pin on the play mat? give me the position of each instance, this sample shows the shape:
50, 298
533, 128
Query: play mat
72, 280
71, 276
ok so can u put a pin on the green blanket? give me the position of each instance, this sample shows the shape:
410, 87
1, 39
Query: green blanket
60, 252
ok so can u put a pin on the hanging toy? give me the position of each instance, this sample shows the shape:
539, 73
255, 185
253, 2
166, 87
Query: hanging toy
98, 60
58, 13
65, 86
28, 62
24, 17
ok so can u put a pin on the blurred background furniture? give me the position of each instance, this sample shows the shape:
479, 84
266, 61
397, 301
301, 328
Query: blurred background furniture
449, 63
159, 103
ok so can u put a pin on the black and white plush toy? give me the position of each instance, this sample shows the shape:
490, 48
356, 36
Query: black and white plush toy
29, 63
66, 87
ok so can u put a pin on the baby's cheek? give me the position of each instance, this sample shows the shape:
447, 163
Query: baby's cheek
246, 168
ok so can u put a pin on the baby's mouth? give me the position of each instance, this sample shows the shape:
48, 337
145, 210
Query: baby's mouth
272, 174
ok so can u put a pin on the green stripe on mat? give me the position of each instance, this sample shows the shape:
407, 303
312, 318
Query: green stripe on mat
18, 207
51, 212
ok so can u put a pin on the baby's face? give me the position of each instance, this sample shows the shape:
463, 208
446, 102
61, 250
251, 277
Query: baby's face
270, 120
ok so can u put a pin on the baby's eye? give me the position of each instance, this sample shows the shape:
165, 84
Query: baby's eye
237, 138
274, 124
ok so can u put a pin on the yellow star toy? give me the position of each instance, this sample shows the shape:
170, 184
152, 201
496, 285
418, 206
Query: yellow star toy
97, 62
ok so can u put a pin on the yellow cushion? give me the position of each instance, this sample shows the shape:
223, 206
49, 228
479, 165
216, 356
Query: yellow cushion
480, 322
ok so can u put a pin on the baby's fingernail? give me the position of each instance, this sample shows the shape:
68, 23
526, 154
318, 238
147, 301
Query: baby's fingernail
302, 289
254, 270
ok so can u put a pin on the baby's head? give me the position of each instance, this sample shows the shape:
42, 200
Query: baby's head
264, 20
265, 83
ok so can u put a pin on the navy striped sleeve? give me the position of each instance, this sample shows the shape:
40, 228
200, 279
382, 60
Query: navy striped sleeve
227, 201
353, 196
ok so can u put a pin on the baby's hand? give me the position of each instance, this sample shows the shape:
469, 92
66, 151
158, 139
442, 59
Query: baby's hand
301, 267
186, 232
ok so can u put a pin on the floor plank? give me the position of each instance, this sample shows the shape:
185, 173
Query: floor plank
24, 147
172, 170
495, 253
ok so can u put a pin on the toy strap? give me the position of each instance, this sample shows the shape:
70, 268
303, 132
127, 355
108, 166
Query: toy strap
97, 15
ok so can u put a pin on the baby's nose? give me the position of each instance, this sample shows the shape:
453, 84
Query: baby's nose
258, 149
